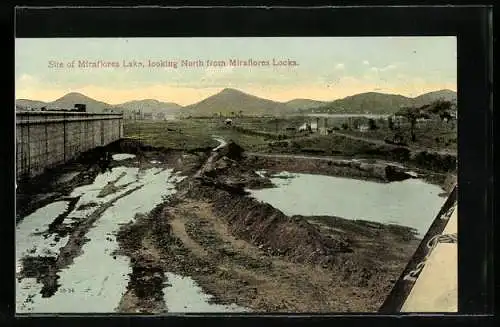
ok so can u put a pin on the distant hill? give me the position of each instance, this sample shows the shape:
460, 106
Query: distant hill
65, 102
231, 100
149, 105
69, 100
380, 103
301, 104
446, 95
369, 102
27, 104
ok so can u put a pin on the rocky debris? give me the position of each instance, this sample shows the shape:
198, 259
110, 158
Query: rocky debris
233, 188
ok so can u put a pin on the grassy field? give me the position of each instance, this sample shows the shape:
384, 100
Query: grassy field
188, 134
264, 135
433, 134
255, 133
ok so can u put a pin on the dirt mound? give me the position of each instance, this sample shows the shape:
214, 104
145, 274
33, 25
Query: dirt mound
232, 151
394, 174
270, 229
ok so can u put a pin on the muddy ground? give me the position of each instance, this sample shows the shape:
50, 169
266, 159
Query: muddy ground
246, 252
237, 249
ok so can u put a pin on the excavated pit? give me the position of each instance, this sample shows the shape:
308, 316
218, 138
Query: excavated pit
246, 255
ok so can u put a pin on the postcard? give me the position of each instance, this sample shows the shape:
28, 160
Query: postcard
254, 175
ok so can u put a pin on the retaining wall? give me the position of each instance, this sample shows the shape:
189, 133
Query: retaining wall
45, 139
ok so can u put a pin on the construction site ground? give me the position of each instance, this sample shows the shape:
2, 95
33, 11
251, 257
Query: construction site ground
237, 249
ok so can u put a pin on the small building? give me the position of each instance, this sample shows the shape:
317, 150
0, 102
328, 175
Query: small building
305, 127
80, 107
148, 115
228, 121
160, 116
363, 128
422, 121
397, 120
324, 131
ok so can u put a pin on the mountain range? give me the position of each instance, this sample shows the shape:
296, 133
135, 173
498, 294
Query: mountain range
380, 103
233, 101
69, 100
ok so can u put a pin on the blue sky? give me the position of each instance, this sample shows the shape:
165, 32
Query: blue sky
328, 68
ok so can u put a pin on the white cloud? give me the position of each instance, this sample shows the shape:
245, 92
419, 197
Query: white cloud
26, 79
388, 67
366, 62
383, 69
339, 66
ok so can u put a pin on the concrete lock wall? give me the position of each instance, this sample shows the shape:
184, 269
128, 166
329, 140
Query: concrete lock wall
45, 139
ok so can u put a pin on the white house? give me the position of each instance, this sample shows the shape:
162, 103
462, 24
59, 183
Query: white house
306, 125
363, 128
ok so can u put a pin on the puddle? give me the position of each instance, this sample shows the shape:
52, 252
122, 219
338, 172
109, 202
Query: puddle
96, 280
184, 295
412, 202
30, 242
123, 156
